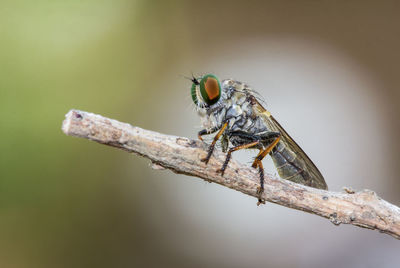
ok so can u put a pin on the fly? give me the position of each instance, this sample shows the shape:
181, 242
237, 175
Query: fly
232, 110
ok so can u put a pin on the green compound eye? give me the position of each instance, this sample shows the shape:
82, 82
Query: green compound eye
210, 89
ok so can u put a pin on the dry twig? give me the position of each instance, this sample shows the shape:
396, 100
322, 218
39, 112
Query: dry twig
182, 155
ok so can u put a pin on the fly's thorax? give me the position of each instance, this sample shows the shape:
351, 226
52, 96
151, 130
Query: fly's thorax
213, 119
243, 110
236, 106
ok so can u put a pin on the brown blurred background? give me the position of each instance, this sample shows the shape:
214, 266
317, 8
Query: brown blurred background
328, 70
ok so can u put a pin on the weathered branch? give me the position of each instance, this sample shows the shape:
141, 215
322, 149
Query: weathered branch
182, 155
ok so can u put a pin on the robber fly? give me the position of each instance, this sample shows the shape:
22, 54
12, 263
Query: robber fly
233, 110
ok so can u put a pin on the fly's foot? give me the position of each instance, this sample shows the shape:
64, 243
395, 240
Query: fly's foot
205, 160
209, 154
259, 192
221, 171
260, 201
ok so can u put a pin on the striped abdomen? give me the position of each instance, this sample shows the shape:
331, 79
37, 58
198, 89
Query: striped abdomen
289, 166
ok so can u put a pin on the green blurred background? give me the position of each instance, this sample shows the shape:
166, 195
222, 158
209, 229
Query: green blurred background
329, 71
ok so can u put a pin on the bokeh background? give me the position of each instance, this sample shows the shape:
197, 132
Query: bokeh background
328, 70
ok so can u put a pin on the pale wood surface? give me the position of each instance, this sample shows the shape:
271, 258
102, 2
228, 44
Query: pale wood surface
182, 155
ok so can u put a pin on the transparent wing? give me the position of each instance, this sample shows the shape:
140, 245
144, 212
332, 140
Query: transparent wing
318, 179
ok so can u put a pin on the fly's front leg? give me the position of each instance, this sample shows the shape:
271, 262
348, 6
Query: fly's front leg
205, 132
212, 146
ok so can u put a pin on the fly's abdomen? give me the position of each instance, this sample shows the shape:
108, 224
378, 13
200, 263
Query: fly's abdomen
289, 166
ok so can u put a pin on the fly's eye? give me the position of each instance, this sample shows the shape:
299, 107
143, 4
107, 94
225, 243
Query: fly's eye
210, 89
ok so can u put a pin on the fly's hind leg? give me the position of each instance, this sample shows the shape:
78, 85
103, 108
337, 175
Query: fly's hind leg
271, 139
260, 189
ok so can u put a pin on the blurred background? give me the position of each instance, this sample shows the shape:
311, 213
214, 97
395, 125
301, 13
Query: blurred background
328, 70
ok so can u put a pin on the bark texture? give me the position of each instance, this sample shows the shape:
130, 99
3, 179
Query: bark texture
182, 155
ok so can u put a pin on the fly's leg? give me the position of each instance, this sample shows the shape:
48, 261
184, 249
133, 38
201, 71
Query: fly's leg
245, 141
212, 146
261, 189
205, 132
228, 156
257, 163
265, 151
